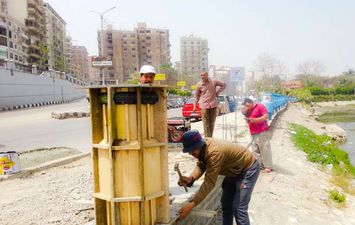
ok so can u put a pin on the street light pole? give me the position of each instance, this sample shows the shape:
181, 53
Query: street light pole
101, 53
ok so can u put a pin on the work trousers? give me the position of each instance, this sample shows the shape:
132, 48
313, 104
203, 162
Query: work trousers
262, 149
236, 195
208, 119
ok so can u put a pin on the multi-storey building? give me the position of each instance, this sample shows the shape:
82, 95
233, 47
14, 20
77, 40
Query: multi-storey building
93, 72
55, 39
129, 50
13, 39
67, 51
31, 14
193, 55
79, 62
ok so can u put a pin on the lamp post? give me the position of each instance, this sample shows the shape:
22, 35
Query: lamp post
101, 53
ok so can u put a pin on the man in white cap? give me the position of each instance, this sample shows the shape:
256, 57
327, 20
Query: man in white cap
147, 73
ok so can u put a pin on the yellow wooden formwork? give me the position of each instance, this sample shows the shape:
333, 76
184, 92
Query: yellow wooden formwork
130, 159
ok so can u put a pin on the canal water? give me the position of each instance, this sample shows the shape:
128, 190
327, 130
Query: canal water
349, 146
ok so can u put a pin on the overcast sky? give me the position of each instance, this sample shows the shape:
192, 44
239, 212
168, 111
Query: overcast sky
238, 31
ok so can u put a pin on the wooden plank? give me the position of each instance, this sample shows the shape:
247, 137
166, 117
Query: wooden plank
100, 212
160, 114
104, 164
96, 173
152, 166
95, 116
111, 126
101, 146
141, 153
102, 196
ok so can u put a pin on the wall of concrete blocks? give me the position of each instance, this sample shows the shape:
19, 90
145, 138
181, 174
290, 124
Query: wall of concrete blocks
22, 90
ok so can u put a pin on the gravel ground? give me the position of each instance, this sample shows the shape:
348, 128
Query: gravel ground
49, 197
37, 157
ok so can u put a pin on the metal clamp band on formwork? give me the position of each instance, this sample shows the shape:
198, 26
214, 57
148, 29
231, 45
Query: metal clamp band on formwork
131, 98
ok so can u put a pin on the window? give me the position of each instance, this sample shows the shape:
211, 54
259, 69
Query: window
11, 55
133, 49
11, 44
133, 56
16, 57
124, 49
148, 38
124, 42
124, 35
3, 41
10, 34
133, 42
2, 31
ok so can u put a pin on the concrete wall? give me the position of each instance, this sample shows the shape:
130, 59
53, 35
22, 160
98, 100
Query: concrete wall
23, 89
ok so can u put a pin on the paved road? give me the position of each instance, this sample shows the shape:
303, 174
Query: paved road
34, 128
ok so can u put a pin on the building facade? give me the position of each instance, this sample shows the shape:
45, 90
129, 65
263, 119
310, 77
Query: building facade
31, 14
93, 72
193, 55
13, 39
55, 39
130, 49
79, 62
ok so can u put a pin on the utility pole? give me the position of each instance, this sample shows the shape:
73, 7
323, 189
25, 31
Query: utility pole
101, 53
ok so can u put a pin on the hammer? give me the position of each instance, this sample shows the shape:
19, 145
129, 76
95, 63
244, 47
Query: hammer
176, 168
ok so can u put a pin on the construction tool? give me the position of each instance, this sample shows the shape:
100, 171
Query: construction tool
176, 168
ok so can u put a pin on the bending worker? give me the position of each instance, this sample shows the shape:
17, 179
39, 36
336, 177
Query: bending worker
220, 157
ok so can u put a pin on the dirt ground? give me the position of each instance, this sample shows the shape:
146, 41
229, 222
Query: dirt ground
296, 193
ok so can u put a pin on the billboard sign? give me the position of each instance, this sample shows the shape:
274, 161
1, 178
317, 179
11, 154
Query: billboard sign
181, 83
160, 76
101, 63
237, 74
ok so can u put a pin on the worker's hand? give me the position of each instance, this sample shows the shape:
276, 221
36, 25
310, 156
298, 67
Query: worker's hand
185, 181
185, 211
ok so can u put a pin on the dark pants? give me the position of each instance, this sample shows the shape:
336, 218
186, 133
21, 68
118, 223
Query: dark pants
208, 120
236, 195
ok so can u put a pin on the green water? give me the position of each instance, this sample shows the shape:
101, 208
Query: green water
346, 120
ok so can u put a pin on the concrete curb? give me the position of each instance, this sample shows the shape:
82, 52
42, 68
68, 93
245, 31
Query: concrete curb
54, 163
32, 105
66, 115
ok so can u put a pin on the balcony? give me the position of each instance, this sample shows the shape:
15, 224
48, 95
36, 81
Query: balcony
34, 55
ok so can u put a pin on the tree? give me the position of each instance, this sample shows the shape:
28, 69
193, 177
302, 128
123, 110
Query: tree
272, 70
134, 78
170, 73
43, 61
309, 73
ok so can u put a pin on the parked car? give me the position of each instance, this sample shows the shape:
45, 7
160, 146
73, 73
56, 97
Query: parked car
187, 109
223, 105
232, 103
172, 103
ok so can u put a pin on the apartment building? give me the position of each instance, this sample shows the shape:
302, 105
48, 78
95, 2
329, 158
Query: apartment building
31, 14
13, 39
55, 39
193, 55
79, 62
130, 49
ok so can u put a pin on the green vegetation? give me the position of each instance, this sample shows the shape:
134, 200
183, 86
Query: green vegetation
323, 150
336, 196
179, 92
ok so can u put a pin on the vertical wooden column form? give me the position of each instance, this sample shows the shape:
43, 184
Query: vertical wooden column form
129, 149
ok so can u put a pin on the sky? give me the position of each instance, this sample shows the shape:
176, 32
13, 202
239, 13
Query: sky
238, 31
